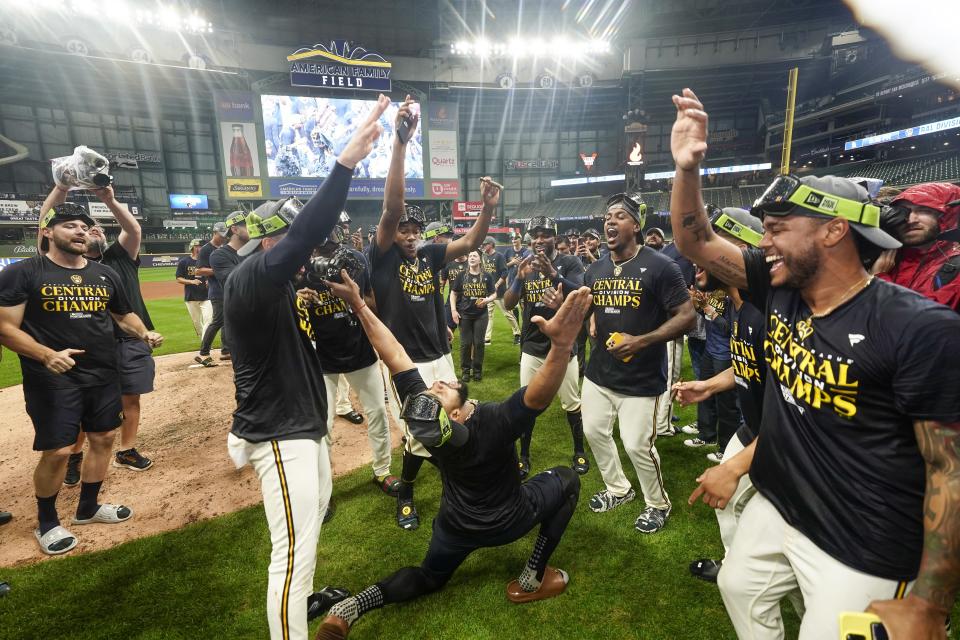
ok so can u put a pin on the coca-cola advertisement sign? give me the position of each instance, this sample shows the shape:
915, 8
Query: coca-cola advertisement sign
240, 151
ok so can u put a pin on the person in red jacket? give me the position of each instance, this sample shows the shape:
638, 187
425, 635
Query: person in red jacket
928, 263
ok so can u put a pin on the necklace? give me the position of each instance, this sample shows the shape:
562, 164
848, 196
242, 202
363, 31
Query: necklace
617, 268
805, 327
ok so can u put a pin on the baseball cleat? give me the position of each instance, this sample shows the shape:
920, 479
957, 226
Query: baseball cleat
524, 467
695, 442
352, 416
705, 569
554, 583
390, 485
652, 520
580, 463
603, 501
407, 517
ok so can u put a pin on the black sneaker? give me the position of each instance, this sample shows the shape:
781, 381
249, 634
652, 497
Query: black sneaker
407, 517
131, 459
205, 361
516, 339
225, 356
652, 520
320, 602
524, 467
705, 569
352, 416
580, 463
72, 478
328, 514
477, 375
5, 517
465, 375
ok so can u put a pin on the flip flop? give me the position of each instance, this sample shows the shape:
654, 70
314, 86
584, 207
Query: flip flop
107, 514
50, 542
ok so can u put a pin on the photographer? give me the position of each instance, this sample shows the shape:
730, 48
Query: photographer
280, 422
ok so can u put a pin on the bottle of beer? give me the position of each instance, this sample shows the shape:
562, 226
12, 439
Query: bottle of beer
241, 162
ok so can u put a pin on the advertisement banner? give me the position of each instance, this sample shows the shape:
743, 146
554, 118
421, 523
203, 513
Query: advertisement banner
521, 165
18, 250
239, 146
443, 154
467, 210
339, 66
305, 187
244, 188
445, 188
160, 260
443, 125
235, 106
19, 210
100, 211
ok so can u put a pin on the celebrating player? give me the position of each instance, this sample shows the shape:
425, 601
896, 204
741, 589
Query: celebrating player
281, 417
639, 303
483, 502
857, 463
406, 288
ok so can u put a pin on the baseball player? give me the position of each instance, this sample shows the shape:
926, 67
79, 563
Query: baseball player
214, 292
57, 310
223, 261
194, 290
639, 304
543, 270
859, 444
346, 355
137, 368
281, 417
483, 502
514, 254
406, 286
496, 265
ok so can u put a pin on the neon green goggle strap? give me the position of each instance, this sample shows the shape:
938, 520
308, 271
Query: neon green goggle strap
440, 231
47, 217
446, 431
863, 213
257, 227
237, 218
729, 225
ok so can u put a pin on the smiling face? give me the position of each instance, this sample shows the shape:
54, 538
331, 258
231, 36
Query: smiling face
620, 230
408, 238
563, 247
543, 240
792, 248
921, 227
70, 236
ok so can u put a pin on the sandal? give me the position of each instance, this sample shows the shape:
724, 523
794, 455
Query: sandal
107, 514
56, 541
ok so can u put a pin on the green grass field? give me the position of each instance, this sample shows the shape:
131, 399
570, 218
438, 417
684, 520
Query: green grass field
208, 580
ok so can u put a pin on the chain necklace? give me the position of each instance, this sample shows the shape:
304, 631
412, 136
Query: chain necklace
617, 268
805, 327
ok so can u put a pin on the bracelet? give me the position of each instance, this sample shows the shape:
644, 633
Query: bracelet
360, 308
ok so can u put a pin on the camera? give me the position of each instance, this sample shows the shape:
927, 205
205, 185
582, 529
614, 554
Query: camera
85, 169
328, 267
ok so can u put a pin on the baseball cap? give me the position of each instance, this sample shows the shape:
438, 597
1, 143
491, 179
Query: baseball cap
435, 229
220, 228
827, 197
63, 212
739, 223
413, 213
344, 217
593, 233
489, 240
429, 423
269, 219
656, 230
194, 243
542, 222
236, 217
572, 231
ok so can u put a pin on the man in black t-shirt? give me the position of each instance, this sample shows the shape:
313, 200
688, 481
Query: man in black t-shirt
496, 265
483, 503
406, 286
538, 274
137, 368
221, 262
588, 250
859, 446
214, 287
280, 423
639, 304
345, 352
513, 255
194, 289
58, 311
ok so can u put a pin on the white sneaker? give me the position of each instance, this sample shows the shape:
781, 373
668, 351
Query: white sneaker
605, 501
690, 429
715, 457
695, 442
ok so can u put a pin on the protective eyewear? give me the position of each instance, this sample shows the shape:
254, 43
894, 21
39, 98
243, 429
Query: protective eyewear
737, 230
442, 230
425, 407
787, 192
285, 212
633, 205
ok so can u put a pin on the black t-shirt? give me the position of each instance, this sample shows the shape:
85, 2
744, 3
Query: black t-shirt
409, 301
687, 270
451, 271
223, 261
635, 302
341, 342
470, 288
187, 269
838, 457
481, 479
532, 341
117, 258
509, 254
214, 287
496, 266
280, 392
67, 309
749, 370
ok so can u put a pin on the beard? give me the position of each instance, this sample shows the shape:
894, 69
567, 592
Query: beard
929, 235
67, 246
802, 267
96, 245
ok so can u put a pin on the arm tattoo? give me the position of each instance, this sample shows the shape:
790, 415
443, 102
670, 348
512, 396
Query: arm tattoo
939, 577
695, 222
728, 271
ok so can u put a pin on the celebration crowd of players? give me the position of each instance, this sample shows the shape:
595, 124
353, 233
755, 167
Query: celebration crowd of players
820, 385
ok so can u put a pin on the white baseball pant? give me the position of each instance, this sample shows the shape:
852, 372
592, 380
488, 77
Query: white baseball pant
498, 303
674, 367
440, 369
569, 389
296, 482
368, 383
729, 516
343, 405
769, 559
637, 416
201, 313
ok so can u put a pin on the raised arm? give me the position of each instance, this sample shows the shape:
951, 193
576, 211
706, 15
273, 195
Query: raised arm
922, 612
390, 351
692, 232
471, 239
562, 329
395, 186
56, 196
130, 233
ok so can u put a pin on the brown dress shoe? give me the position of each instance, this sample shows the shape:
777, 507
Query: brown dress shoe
333, 628
554, 583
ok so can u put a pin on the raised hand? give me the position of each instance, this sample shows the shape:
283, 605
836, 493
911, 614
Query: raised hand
406, 111
542, 264
361, 144
348, 291
489, 193
553, 298
688, 139
525, 267
563, 327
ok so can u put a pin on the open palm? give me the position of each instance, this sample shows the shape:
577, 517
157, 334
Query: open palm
688, 139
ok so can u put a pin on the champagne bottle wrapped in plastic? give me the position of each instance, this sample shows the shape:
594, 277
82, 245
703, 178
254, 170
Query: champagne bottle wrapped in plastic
85, 169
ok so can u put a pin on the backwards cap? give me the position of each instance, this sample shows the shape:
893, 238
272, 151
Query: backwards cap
269, 219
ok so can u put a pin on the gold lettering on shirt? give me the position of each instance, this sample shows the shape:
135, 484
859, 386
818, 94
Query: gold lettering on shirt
474, 289
328, 305
621, 291
303, 318
813, 379
416, 280
58, 298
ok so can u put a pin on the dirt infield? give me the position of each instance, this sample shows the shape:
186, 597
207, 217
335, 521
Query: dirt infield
184, 431
165, 289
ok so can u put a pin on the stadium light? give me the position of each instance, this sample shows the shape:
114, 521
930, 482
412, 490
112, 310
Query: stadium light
561, 46
736, 168
167, 16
